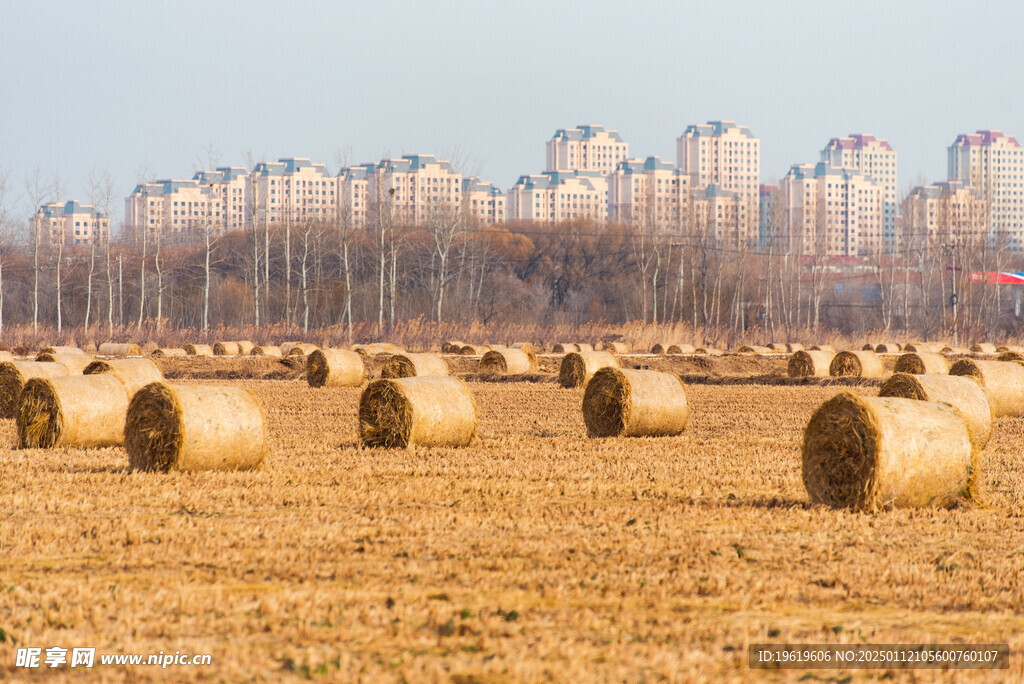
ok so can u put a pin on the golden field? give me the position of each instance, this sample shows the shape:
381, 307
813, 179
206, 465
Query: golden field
536, 554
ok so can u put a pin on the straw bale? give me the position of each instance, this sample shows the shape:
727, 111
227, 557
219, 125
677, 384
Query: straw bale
824, 347
226, 349
164, 352
75, 363
134, 373
886, 348
1004, 381
921, 363
6, 356
616, 347
50, 349
119, 349
871, 453
198, 350
869, 346
967, 397
564, 348
334, 368
170, 427
753, 349
452, 347
860, 364
508, 362
474, 350
1010, 356
1010, 348
709, 351
72, 411
676, 349
793, 347
245, 347
526, 347
657, 348
433, 410
413, 365
265, 350
584, 347
14, 375
621, 402
813, 363
302, 349
579, 367
983, 348
930, 347
946, 349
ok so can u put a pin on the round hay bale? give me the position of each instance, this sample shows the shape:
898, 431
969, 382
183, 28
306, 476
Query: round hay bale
922, 363
134, 373
793, 347
302, 349
564, 348
621, 402
432, 410
871, 453
616, 347
14, 375
886, 348
225, 349
869, 346
708, 351
507, 362
946, 349
676, 349
584, 347
198, 350
287, 347
813, 363
474, 350
334, 368
75, 363
452, 347
266, 350
413, 365
61, 350
928, 347
165, 352
245, 347
859, 364
983, 348
1004, 381
753, 349
1010, 356
967, 397
579, 367
169, 427
1010, 348
6, 356
72, 411
824, 347
119, 349
657, 348
776, 346
525, 347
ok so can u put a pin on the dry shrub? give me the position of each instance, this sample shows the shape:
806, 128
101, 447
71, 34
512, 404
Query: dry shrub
967, 397
452, 347
302, 349
870, 453
824, 347
413, 365
922, 363
14, 375
675, 349
266, 350
198, 350
334, 368
72, 411
225, 349
474, 350
564, 348
169, 427
813, 363
133, 373
1004, 381
579, 367
75, 363
508, 362
620, 402
859, 364
119, 349
885, 348
983, 348
753, 349
431, 410
165, 352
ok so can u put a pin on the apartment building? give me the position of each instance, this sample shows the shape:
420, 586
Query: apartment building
944, 212
768, 217
228, 184
651, 188
291, 189
482, 202
586, 148
559, 196
876, 159
173, 210
70, 223
992, 163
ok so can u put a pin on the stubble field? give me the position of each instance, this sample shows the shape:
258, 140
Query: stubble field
536, 554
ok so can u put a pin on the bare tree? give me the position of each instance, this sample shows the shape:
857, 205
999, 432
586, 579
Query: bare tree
5, 218
36, 189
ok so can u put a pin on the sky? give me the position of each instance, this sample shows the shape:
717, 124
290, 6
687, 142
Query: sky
149, 90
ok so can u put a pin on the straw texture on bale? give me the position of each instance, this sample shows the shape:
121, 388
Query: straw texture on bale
579, 367
1010, 356
679, 349
165, 352
983, 348
334, 368
507, 362
869, 346
266, 350
564, 348
793, 347
1010, 348
61, 350
198, 350
885, 348
584, 347
14, 375
287, 347
302, 349
119, 349
922, 363
452, 347
709, 351
1004, 381
245, 347
955, 350
813, 363
413, 365
72, 411
133, 373
525, 347
657, 348
754, 349
6, 356
859, 364
871, 453
226, 349
474, 350
621, 402
916, 347
431, 411
967, 397
824, 347
75, 363
616, 347
169, 427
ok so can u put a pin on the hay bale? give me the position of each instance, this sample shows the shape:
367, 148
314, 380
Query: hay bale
946, 349
413, 365
621, 402
265, 350
287, 347
61, 350
928, 347
675, 349
886, 348
1010, 348
792, 347
823, 347
617, 347
869, 346
564, 348
983, 348
119, 349
75, 363
753, 349
452, 347
1004, 381
967, 397
134, 373
225, 349
474, 350
245, 347
922, 363
859, 364
14, 375
658, 348
302, 349
507, 362
6, 356
198, 350
430, 411
72, 411
813, 363
525, 347
579, 367
584, 347
334, 368
708, 351
1010, 356
169, 427
164, 352
871, 453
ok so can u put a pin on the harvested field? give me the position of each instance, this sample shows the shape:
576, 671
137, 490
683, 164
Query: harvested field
534, 554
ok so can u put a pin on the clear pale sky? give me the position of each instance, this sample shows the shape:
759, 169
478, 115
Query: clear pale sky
147, 86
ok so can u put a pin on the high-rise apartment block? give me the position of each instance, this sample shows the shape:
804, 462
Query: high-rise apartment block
482, 202
228, 184
650, 190
875, 159
291, 189
945, 212
992, 164
586, 148
559, 196
172, 210
70, 223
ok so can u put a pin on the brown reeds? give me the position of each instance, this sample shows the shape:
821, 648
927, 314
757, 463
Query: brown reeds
966, 396
413, 365
133, 373
1004, 381
620, 402
813, 363
859, 364
431, 410
578, 368
508, 362
334, 368
72, 411
922, 363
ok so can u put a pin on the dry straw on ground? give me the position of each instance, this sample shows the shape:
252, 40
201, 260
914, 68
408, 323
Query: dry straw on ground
870, 453
413, 365
922, 363
859, 364
508, 362
165, 352
133, 373
423, 411
170, 427
813, 363
1004, 381
198, 350
635, 403
14, 375
966, 396
334, 368
578, 368
983, 348
119, 349
266, 350
75, 363
72, 411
